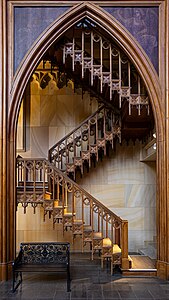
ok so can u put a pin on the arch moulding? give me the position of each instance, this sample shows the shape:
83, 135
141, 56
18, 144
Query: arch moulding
147, 72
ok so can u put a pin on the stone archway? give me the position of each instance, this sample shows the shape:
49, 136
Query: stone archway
31, 60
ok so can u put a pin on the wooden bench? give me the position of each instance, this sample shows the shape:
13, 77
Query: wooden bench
41, 257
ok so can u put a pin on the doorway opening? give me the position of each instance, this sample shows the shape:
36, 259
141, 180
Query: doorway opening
87, 111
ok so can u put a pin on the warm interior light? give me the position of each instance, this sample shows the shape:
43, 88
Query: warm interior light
154, 146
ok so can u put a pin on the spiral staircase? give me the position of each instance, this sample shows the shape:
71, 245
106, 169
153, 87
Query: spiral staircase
92, 62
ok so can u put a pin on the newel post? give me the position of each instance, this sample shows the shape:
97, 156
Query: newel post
124, 245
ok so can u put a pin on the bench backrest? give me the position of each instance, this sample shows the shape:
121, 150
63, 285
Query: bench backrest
45, 253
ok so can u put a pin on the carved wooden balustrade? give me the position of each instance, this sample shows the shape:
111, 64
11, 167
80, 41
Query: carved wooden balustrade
96, 60
67, 203
82, 145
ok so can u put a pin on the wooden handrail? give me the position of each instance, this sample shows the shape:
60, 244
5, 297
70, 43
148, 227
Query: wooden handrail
72, 150
78, 127
69, 180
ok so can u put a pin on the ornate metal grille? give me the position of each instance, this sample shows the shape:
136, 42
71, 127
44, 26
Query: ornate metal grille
42, 253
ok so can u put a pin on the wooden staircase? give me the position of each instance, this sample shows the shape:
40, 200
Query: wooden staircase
78, 211
82, 148
96, 64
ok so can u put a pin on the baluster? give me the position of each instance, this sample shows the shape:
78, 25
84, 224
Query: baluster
82, 221
92, 60
73, 56
104, 129
88, 146
111, 128
82, 54
101, 63
73, 206
58, 189
24, 182
120, 79
98, 220
66, 196
34, 180
96, 136
53, 184
112, 231
44, 181
66, 153
110, 68
129, 75
63, 192
58, 155
92, 221
61, 158
106, 225
139, 106
102, 228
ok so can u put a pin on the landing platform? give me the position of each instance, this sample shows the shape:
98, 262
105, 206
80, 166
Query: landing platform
141, 266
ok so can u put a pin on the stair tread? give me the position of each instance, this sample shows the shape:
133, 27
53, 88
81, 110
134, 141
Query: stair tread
58, 206
78, 221
87, 228
97, 235
117, 249
107, 242
68, 214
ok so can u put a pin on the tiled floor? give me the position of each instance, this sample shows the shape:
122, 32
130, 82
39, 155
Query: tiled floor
88, 282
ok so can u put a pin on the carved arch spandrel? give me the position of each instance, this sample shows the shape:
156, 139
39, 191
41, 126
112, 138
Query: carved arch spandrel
126, 42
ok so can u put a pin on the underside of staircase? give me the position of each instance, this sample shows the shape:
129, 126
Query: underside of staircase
97, 66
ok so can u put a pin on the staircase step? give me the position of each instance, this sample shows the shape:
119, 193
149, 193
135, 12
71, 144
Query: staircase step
48, 195
58, 207
97, 236
87, 228
117, 249
68, 214
107, 243
77, 227
78, 222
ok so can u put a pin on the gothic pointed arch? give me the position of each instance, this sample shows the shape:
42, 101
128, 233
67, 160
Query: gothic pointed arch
132, 49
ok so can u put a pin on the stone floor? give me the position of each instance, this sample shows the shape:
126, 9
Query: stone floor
89, 281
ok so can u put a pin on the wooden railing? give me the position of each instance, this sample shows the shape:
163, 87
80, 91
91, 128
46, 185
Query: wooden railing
85, 141
41, 183
115, 74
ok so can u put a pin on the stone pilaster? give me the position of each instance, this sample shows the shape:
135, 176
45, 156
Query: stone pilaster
3, 146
